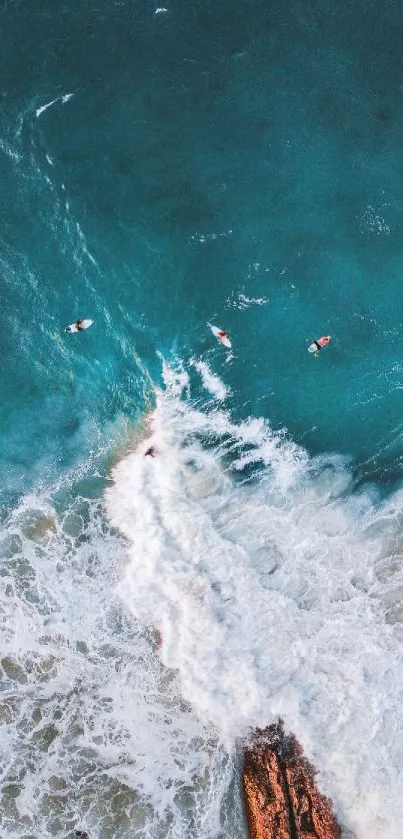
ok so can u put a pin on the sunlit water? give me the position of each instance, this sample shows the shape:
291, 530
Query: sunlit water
163, 170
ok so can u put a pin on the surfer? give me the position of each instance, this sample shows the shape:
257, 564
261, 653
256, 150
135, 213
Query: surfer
79, 325
222, 335
150, 452
81, 834
316, 346
76, 327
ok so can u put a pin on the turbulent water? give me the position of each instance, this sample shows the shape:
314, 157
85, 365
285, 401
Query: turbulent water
164, 169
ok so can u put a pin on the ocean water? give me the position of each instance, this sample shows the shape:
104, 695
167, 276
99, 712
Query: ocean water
164, 169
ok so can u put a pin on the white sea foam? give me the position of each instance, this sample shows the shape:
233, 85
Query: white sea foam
277, 591
241, 301
279, 595
245, 301
44, 108
210, 237
63, 99
95, 733
211, 382
372, 221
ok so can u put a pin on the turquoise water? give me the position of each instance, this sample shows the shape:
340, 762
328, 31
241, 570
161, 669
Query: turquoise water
206, 152
163, 169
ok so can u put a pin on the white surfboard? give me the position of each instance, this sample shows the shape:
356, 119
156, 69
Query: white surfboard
222, 338
85, 324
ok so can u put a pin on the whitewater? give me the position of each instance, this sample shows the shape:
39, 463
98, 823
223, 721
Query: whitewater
226, 581
276, 595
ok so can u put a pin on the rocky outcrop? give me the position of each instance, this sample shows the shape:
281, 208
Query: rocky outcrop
280, 794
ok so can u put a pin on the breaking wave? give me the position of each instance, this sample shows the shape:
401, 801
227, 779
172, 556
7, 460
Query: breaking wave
276, 588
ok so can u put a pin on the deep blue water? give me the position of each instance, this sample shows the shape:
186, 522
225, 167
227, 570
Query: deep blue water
208, 151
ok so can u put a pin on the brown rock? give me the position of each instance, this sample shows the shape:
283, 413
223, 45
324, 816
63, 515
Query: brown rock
281, 798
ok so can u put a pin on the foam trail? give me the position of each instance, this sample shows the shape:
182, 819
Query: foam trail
63, 99
211, 382
43, 108
268, 597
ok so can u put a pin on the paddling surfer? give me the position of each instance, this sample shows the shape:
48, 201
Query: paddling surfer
78, 326
222, 335
318, 345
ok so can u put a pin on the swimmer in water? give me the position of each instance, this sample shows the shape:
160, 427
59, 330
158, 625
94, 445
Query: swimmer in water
150, 452
318, 345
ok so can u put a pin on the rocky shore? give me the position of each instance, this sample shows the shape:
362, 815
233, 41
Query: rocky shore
281, 798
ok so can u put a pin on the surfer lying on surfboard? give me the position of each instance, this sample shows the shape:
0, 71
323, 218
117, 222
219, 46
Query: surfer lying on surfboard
222, 336
79, 326
316, 346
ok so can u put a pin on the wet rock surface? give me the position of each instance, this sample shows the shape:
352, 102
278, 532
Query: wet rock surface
281, 798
